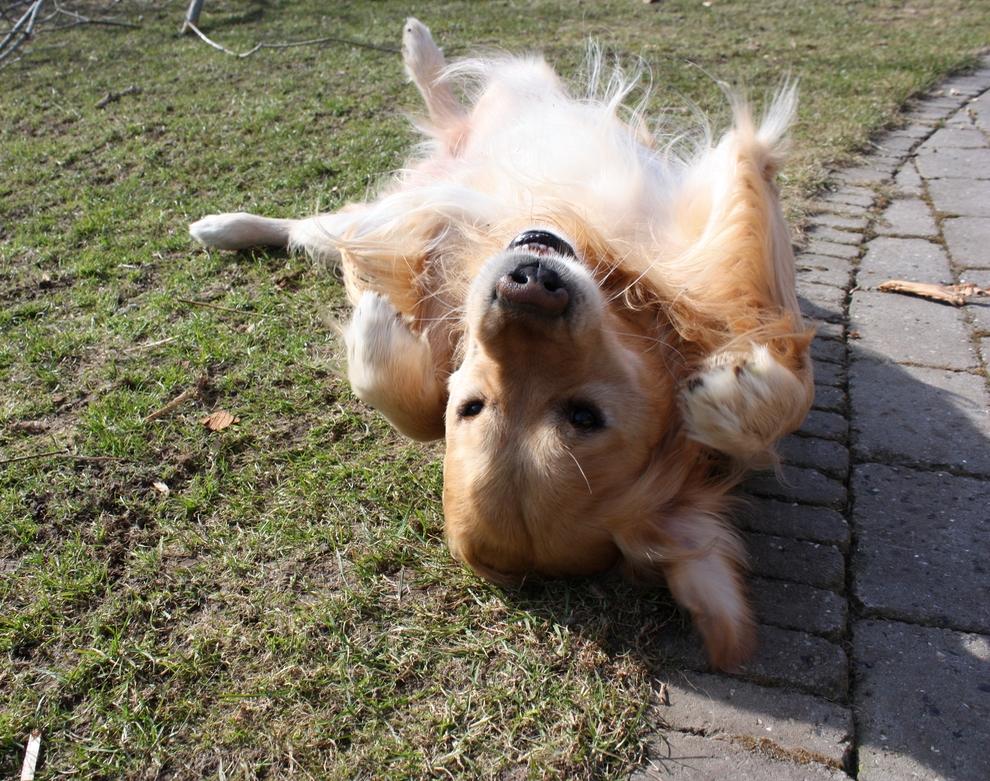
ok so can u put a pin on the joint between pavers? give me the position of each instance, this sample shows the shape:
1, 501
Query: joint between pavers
896, 460
872, 614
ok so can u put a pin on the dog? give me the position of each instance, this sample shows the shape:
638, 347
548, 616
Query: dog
604, 329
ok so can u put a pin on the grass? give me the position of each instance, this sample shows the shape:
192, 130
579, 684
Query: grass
288, 604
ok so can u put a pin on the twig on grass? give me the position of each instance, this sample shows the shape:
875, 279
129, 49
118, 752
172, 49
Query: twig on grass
208, 305
149, 345
289, 44
80, 19
112, 97
31, 756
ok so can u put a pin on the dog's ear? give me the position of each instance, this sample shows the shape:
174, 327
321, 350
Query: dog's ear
702, 559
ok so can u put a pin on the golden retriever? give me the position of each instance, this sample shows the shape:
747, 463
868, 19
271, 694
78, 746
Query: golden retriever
602, 325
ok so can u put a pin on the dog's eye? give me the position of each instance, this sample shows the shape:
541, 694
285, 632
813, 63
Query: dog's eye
470, 408
585, 417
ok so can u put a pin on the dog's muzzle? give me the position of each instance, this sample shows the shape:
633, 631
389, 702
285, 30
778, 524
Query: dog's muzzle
534, 280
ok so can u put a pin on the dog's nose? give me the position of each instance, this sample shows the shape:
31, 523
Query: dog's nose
534, 286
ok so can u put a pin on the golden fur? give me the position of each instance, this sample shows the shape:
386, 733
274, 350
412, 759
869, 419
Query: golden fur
611, 434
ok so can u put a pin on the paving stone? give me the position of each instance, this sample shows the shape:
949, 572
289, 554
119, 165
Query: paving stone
784, 519
828, 330
954, 138
851, 196
915, 260
968, 240
828, 233
832, 374
798, 606
871, 173
827, 425
922, 702
911, 330
729, 708
980, 109
829, 398
952, 163
799, 561
932, 110
797, 484
916, 415
969, 84
963, 197
823, 269
855, 222
906, 217
895, 143
961, 119
823, 454
921, 546
784, 657
908, 181
828, 350
694, 758
985, 349
978, 309
829, 299
832, 249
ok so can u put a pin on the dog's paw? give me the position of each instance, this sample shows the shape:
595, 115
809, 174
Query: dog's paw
741, 403
239, 230
391, 369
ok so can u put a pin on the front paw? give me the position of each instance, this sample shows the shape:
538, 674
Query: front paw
391, 368
740, 403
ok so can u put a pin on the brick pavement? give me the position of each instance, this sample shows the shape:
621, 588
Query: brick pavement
871, 577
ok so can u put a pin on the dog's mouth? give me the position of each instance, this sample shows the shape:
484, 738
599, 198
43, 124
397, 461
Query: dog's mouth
541, 243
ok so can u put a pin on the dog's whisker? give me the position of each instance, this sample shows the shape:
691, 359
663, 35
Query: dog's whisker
578, 465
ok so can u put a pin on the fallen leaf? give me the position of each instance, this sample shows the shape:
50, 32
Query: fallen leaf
219, 420
30, 426
955, 295
161, 487
664, 694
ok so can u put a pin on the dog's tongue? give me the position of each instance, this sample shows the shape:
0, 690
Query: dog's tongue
537, 239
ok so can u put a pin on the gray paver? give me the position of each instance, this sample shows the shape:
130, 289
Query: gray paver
827, 329
870, 173
832, 374
978, 308
922, 701
797, 484
827, 425
856, 222
798, 606
822, 270
824, 302
949, 163
827, 455
963, 197
917, 415
725, 707
907, 181
786, 519
837, 235
921, 546
694, 758
831, 248
916, 260
968, 240
911, 330
863, 197
906, 217
830, 398
828, 350
800, 561
954, 138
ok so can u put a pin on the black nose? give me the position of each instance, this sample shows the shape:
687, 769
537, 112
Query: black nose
534, 286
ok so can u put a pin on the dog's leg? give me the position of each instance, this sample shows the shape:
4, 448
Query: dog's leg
703, 562
425, 63
240, 230
392, 369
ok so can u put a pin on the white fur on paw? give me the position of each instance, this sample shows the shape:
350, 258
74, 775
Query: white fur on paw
214, 230
740, 403
385, 359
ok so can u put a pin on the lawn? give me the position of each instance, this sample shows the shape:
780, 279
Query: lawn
276, 597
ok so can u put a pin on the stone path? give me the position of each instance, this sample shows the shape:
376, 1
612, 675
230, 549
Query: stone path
870, 560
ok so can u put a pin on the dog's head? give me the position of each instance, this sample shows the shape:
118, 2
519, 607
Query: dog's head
555, 414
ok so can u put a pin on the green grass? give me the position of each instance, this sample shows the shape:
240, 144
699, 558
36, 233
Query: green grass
289, 604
